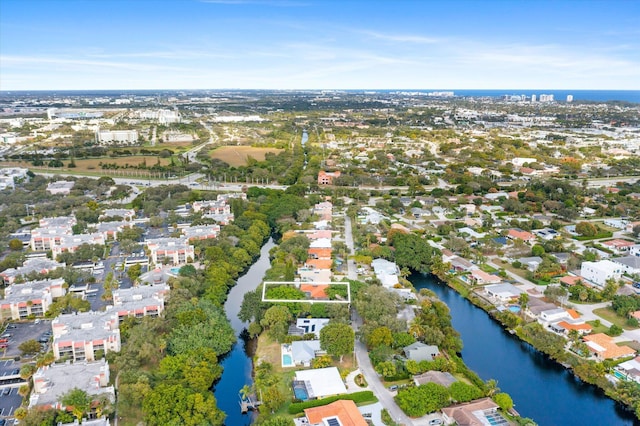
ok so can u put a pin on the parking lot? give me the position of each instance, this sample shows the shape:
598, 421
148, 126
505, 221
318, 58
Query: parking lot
9, 401
10, 382
21, 332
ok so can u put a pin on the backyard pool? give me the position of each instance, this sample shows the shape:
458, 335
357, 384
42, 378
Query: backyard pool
286, 360
514, 308
300, 391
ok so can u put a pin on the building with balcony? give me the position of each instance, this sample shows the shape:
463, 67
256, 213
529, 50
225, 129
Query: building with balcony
140, 301
53, 381
174, 251
81, 336
32, 298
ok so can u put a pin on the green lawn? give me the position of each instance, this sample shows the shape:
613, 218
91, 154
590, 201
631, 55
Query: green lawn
597, 329
611, 316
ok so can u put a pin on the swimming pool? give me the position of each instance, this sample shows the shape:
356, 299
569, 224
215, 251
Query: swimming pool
515, 309
286, 360
175, 270
300, 391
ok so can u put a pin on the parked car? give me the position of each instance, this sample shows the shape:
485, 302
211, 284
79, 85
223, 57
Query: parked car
393, 388
433, 422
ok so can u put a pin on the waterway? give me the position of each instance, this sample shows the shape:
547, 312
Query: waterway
237, 364
541, 389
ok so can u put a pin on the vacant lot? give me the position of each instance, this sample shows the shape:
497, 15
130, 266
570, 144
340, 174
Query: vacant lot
237, 155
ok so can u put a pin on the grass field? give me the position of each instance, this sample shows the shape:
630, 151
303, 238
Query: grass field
93, 164
611, 316
237, 155
133, 161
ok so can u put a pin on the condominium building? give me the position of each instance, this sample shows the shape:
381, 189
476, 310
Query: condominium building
32, 298
174, 251
53, 381
140, 301
80, 336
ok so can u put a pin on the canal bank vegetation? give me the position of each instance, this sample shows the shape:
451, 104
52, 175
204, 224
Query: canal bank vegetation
168, 364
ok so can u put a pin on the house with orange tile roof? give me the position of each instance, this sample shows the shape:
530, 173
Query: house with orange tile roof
345, 411
571, 280
618, 245
319, 263
326, 178
603, 347
319, 252
315, 291
582, 327
519, 234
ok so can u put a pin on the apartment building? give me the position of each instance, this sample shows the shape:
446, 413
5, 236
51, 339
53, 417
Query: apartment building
32, 298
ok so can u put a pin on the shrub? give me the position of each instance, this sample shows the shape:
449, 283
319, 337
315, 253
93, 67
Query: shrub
357, 397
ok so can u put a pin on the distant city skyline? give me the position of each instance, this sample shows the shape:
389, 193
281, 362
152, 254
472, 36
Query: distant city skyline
309, 44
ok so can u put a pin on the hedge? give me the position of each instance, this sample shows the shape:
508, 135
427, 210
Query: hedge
357, 397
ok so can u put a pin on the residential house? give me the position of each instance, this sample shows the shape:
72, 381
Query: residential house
531, 263
320, 382
314, 291
445, 379
546, 233
599, 272
419, 351
630, 370
304, 351
519, 234
324, 210
481, 277
460, 264
571, 280
387, 272
314, 275
618, 246
53, 381
31, 298
474, 413
308, 325
339, 413
326, 178
61, 187
503, 292
603, 347
629, 264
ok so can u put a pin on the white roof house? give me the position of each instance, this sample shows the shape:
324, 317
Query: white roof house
387, 272
599, 272
503, 292
321, 382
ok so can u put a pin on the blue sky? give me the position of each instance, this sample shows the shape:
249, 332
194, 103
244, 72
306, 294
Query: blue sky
309, 44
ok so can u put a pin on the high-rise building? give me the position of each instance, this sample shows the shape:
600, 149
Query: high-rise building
569, 98
533, 98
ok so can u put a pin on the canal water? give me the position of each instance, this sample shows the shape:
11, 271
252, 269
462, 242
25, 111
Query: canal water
237, 364
541, 389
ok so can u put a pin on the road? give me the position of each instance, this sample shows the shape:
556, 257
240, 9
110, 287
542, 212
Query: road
384, 395
362, 355
352, 272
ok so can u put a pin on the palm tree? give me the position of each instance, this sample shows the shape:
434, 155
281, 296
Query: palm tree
491, 386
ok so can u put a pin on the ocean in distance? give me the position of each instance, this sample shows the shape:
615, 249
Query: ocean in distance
559, 95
